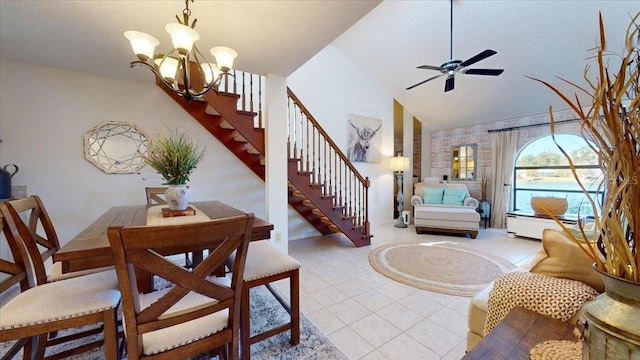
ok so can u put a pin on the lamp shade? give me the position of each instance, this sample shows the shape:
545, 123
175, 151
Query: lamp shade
399, 163
224, 57
211, 72
182, 37
143, 45
168, 68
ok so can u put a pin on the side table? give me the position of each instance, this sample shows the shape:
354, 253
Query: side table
518, 333
484, 208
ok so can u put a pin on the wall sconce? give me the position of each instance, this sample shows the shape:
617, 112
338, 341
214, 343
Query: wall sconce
399, 164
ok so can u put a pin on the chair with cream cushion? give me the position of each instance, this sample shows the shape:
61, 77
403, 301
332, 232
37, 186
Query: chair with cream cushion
30, 311
197, 314
39, 229
265, 264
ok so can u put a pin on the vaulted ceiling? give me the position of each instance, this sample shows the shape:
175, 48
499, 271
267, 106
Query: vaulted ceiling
387, 39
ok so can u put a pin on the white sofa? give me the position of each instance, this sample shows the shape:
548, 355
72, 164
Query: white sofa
444, 207
558, 257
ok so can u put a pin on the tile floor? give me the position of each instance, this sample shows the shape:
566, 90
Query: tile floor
371, 317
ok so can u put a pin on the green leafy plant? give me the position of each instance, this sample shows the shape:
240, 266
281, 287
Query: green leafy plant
173, 155
611, 125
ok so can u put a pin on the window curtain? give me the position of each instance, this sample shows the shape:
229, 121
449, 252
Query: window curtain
504, 145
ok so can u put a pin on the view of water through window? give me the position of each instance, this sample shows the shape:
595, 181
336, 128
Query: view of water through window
542, 170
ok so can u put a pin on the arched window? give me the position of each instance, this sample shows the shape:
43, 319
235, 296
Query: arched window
542, 170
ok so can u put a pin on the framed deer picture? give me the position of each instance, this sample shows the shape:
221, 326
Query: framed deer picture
363, 139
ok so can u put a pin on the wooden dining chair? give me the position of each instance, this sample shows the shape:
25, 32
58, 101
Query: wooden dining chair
264, 265
155, 195
197, 313
33, 311
39, 230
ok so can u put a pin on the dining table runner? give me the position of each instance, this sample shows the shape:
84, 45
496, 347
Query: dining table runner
154, 216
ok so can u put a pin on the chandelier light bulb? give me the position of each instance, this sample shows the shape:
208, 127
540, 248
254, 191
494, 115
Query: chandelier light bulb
182, 37
224, 57
143, 45
168, 68
211, 72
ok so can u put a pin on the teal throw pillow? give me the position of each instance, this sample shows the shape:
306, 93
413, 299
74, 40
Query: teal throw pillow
453, 197
432, 195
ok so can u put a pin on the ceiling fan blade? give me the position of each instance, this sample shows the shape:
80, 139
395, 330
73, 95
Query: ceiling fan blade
430, 67
481, 56
492, 72
449, 84
422, 82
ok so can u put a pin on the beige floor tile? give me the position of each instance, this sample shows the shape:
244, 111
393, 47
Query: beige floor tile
451, 320
457, 352
326, 321
352, 344
396, 290
308, 304
349, 311
400, 316
435, 337
375, 355
375, 330
404, 347
373, 300
421, 303
335, 277
329, 296
354, 286
461, 305
311, 282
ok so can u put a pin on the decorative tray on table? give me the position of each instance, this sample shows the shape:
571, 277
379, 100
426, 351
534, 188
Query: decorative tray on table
189, 211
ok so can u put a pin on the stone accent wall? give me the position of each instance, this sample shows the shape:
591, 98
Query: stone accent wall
443, 140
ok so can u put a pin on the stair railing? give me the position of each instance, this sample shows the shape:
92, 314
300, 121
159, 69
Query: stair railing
319, 155
250, 88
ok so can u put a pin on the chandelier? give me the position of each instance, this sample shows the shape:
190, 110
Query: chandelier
174, 69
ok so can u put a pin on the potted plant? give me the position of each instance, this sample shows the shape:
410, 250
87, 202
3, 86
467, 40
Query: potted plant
611, 126
174, 156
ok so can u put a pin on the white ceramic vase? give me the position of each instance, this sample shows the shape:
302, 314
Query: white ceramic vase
177, 197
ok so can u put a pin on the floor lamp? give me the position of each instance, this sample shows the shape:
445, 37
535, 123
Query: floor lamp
399, 164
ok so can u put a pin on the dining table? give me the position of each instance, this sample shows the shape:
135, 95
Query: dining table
90, 249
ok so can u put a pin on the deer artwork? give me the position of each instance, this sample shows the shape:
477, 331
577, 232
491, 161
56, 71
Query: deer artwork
358, 150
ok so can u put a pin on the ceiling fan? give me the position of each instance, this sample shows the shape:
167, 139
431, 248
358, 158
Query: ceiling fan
451, 67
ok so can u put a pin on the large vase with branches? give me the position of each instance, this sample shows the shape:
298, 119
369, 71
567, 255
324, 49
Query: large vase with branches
611, 125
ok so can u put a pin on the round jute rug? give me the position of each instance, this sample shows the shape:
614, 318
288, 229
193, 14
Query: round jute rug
447, 270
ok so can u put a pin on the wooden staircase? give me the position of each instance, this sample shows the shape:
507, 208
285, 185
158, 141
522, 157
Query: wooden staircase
326, 190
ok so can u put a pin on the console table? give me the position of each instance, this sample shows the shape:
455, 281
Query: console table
518, 333
528, 224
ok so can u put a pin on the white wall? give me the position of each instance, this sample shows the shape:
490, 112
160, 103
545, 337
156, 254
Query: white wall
331, 86
44, 113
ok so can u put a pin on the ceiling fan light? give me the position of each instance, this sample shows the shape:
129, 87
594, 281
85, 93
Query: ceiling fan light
168, 68
143, 44
182, 37
224, 57
211, 72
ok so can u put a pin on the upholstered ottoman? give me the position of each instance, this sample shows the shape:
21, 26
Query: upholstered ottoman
448, 219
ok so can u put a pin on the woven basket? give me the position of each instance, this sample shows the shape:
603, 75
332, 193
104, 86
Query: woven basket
545, 205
